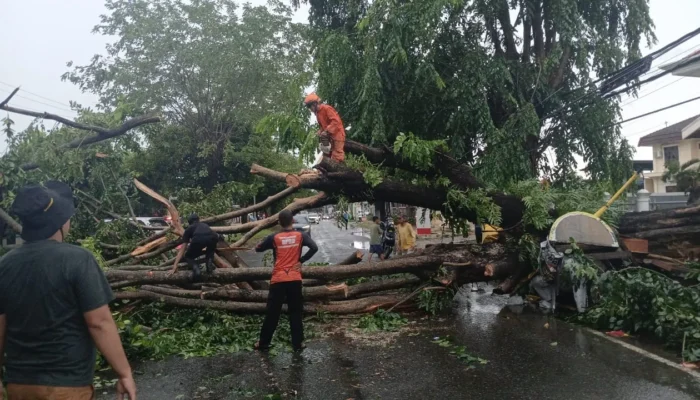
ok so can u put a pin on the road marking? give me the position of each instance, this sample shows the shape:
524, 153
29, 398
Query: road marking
645, 353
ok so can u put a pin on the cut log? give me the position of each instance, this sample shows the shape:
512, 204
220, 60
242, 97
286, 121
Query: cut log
354, 258
341, 291
430, 260
364, 305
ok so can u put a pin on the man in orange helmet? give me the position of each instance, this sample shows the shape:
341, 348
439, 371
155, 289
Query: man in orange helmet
332, 129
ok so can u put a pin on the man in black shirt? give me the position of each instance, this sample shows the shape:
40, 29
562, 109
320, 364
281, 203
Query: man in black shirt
54, 306
198, 239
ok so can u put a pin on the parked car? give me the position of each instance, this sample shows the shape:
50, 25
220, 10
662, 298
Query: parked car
149, 222
302, 224
314, 218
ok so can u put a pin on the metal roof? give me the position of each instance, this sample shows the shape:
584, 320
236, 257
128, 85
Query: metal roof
670, 134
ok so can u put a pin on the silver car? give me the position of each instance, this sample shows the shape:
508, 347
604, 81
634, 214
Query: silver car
302, 224
314, 218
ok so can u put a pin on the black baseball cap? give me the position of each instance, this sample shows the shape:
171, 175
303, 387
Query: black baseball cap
43, 209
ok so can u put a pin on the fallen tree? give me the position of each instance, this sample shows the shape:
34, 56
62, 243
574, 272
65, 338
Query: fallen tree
234, 282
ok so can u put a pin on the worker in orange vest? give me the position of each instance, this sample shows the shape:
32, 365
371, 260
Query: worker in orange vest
332, 131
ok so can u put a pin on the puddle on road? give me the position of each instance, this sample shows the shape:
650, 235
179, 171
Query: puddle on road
360, 232
481, 308
360, 245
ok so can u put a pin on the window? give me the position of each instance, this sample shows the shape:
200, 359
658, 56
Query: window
671, 189
670, 154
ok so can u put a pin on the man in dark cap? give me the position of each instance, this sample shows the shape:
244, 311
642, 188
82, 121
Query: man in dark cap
54, 306
198, 239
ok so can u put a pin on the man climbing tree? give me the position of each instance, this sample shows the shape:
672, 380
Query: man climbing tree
332, 131
198, 239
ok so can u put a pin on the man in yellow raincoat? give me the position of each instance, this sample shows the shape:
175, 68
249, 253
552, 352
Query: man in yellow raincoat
407, 236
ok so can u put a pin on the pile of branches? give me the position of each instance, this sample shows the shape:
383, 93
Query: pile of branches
234, 286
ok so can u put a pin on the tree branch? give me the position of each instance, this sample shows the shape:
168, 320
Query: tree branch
102, 133
10, 221
8, 98
244, 211
557, 77
537, 31
341, 179
508, 32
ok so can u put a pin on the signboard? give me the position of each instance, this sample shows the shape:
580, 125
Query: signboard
423, 221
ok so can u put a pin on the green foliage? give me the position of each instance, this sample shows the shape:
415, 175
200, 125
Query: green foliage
436, 302
639, 300
578, 267
686, 176
418, 151
528, 249
381, 320
213, 68
694, 273
476, 200
451, 70
372, 174
220, 200
90, 243
538, 202
589, 197
155, 331
460, 352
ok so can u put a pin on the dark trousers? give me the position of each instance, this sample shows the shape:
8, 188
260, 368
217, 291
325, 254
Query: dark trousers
196, 248
295, 305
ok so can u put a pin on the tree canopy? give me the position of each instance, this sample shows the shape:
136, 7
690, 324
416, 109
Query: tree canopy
212, 67
495, 79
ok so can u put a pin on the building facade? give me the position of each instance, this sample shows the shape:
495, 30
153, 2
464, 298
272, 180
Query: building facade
679, 142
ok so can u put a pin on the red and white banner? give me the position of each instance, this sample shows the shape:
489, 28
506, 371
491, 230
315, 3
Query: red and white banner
423, 221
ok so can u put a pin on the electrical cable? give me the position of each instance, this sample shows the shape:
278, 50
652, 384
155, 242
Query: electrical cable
34, 94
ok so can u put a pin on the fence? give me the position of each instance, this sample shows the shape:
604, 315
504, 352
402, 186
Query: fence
645, 201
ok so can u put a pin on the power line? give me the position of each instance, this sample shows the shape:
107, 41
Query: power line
37, 95
652, 92
642, 132
657, 111
41, 102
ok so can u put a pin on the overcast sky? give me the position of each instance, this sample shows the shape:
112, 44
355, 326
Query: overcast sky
40, 36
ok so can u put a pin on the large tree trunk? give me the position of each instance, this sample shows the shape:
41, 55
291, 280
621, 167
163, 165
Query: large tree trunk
673, 233
340, 179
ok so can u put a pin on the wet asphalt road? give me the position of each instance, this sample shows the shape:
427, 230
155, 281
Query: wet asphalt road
334, 244
526, 360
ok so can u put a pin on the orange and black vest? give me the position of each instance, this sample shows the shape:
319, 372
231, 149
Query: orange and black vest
287, 246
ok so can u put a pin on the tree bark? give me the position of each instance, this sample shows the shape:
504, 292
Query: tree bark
350, 182
473, 268
363, 305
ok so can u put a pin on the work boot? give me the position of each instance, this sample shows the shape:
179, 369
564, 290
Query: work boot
299, 348
196, 273
210, 266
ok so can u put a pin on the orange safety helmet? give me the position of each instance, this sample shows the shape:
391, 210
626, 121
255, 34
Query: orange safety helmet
311, 98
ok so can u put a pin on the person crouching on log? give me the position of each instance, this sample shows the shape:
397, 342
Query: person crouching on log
198, 239
332, 131
286, 280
